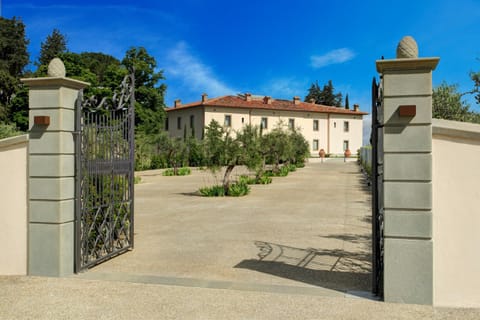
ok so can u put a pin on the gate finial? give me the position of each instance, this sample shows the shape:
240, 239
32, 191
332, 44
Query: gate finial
56, 68
407, 48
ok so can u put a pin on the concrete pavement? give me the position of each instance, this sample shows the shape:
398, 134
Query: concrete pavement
296, 249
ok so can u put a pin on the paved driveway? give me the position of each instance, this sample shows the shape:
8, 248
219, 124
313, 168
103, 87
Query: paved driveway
307, 231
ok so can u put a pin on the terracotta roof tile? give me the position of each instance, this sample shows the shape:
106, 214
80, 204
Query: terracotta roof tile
276, 104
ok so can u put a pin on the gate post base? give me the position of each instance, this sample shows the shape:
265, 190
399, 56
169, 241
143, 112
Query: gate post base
51, 249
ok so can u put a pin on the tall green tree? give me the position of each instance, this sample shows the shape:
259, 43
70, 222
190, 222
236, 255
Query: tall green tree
149, 94
13, 60
347, 103
325, 96
53, 46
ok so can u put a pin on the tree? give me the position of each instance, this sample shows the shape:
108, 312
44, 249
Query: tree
13, 60
347, 103
149, 95
252, 155
54, 45
447, 104
221, 149
476, 81
325, 96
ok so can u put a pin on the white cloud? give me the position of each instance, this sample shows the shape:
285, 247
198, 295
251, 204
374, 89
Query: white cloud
194, 75
332, 57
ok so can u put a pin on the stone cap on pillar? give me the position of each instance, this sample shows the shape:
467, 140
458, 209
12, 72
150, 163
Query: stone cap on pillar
407, 58
56, 78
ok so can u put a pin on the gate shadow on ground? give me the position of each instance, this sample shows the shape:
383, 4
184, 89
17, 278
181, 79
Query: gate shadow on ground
333, 269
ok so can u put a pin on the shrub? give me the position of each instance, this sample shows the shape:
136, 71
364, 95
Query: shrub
184, 171
264, 180
238, 189
283, 172
300, 164
291, 167
8, 130
137, 179
213, 191
246, 180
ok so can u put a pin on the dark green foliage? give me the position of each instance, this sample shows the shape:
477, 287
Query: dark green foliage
13, 60
325, 96
149, 108
347, 103
476, 85
54, 45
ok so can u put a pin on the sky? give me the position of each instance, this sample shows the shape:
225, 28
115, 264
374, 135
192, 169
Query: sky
267, 47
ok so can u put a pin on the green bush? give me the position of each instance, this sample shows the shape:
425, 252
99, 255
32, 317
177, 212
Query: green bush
291, 167
213, 191
247, 180
8, 130
264, 180
184, 171
283, 171
137, 179
300, 165
238, 189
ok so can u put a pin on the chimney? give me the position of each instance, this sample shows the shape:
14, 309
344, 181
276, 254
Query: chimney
204, 97
311, 100
248, 96
296, 100
356, 107
267, 100
178, 103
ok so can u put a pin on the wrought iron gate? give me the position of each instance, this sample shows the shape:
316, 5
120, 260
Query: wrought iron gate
377, 189
104, 176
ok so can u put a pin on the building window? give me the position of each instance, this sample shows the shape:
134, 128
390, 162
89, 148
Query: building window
166, 123
334, 124
264, 123
346, 126
315, 125
345, 145
192, 121
228, 120
243, 120
291, 123
179, 123
315, 145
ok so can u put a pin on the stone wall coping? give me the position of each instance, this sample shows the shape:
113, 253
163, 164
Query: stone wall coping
55, 82
7, 142
457, 129
407, 64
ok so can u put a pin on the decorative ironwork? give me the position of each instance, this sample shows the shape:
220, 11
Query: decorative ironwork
377, 190
104, 175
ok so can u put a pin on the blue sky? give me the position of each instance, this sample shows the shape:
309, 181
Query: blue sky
269, 47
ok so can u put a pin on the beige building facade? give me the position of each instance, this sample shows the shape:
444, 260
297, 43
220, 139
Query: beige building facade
330, 128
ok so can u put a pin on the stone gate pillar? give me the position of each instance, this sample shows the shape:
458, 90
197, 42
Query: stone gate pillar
407, 143
52, 171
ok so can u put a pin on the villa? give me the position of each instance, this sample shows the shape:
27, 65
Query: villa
324, 127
